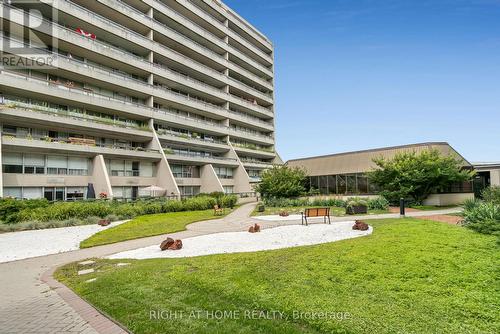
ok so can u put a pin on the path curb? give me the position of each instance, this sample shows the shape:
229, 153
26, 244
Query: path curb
94, 317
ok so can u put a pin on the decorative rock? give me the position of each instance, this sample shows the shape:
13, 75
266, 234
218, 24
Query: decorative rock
284, 214
86, 271
359, 225
122, 264
176, 245
86, 263
104, 222
254, 229
166, 244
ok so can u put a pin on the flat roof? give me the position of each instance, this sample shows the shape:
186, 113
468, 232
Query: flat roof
362, 161
486, 165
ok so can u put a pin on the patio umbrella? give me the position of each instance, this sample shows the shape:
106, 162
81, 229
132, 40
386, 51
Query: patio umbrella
155, 190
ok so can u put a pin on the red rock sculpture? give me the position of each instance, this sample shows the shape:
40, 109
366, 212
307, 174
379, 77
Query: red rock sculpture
166, 244
176, 245
359, 225
104, 222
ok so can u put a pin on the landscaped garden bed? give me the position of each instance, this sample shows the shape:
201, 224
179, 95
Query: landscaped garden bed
409, 276
150, 225
16, 215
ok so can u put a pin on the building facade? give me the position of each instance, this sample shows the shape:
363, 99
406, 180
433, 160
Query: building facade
171, 95
488, 174
344, 174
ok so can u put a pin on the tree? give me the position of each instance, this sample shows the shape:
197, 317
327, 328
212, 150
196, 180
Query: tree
413, 175
282, 182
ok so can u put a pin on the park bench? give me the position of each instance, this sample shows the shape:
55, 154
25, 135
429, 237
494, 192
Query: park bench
218, 211
317, 212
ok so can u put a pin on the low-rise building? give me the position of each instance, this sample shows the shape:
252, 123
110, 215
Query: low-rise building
344, 174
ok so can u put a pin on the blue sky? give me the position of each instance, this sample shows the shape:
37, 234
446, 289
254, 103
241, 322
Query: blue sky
362, 74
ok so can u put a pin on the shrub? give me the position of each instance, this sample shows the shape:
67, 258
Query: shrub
199, 203
40, 213
379, 203
491, 194
416, 175
10, 207
297, 202
228, 201
356, 201
282, 182
482, 217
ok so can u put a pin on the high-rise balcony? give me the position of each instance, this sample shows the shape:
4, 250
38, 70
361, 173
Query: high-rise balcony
28, 113
34, 87
25, 143
138, 39
195, 158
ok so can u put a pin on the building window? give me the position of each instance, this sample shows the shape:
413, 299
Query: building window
12, 163
228, 189
76, 193
34, 164
124, 168
224, 172
54, 194
184, 171
57, 165
188, 191
13, 192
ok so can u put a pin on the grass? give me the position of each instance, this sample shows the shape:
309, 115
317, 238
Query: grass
334, 211
432, 207
149, 225
410, 276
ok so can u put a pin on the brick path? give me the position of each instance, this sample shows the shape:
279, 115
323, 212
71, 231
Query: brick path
31, 301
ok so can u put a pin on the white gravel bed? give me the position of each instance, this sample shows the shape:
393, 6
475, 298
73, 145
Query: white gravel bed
26, 244
240, 242
272, 218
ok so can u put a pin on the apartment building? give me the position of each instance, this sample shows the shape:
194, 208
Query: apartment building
135, 96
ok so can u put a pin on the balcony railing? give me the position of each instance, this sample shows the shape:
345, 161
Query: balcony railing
107, 71
254, 147
249, 161
134, 56
190, 138
147, 40
10, 103
169, 151
76, 141
251, 133
254, 119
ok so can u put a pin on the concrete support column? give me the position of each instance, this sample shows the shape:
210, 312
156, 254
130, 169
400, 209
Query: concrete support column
100, 177
209, 180
240, 175
495, 177
1, 168
164, 176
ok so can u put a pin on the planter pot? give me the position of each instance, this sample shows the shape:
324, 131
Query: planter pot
357, 209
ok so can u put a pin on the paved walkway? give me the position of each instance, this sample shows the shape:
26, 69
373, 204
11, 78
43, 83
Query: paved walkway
30, 303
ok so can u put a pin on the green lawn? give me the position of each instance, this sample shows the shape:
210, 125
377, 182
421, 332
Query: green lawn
432, 207
149, 225
334, 211
410, 276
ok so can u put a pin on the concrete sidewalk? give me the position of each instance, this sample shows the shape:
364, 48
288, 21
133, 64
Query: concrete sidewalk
30, 305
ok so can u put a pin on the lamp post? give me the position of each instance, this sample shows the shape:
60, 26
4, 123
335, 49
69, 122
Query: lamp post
402, 207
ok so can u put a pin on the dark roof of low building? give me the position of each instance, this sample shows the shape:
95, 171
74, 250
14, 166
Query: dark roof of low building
362, 161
